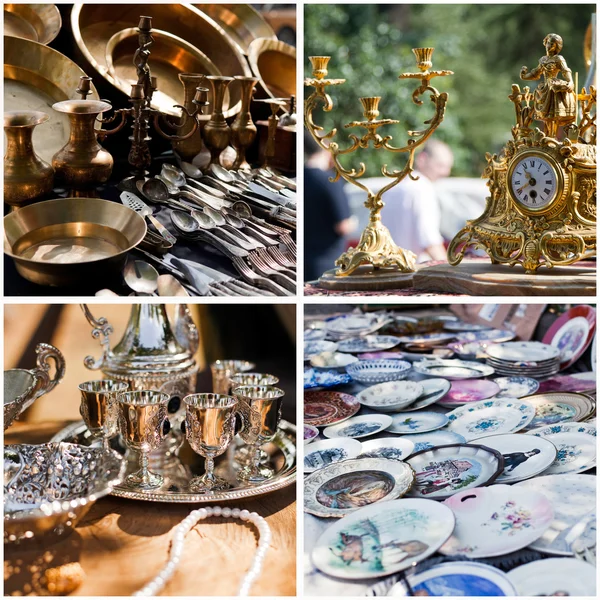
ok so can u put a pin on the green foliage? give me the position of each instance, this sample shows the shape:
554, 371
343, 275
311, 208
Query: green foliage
484, 44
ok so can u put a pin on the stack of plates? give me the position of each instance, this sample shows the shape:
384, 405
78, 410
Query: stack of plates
527, 359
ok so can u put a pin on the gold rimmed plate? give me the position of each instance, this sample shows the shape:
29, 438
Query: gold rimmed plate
274, 63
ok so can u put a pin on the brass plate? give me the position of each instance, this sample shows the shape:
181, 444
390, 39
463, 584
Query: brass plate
35, 77
242, 22
56, 242
274, 63
36, 22
94, 24
282, 458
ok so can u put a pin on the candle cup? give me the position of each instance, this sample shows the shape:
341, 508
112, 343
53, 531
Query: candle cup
222, 370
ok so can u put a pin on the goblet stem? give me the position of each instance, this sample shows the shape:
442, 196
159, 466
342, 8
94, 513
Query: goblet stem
106, 443
255, 461
210, 468
144, 466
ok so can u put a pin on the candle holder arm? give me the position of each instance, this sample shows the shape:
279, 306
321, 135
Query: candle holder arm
185, 115
123, 113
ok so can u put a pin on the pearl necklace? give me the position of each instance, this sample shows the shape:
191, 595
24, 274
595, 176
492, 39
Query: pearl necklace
159, 582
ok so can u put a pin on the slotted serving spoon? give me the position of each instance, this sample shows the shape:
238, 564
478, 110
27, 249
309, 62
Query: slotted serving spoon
132, 201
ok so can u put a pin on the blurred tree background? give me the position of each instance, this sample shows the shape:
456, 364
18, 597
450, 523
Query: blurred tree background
484, 44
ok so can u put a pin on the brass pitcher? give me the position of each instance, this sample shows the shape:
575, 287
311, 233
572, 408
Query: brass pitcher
216, 132
26, 175
82, 163
243, 129
189, 148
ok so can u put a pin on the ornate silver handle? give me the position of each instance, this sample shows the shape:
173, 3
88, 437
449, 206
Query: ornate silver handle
185, 329
101, 327
44, 384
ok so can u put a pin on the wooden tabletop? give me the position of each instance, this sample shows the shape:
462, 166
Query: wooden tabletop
120, 545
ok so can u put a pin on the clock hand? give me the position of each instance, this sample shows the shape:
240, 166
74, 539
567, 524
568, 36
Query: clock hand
522, 188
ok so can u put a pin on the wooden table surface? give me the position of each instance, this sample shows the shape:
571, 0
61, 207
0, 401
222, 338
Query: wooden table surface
122, 544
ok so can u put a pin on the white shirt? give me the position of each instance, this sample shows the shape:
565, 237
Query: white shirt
412, 214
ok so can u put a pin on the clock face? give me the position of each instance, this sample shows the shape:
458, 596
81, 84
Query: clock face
533, 182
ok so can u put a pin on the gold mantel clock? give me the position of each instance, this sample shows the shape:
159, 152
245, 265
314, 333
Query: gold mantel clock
541, 211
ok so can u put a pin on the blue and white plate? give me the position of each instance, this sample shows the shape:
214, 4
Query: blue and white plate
390, 396
314, 378
575, 444
353, 324
433, 439
392, 448
490, 417
369, 343
378, 370
327, 452
433, 390
313, 335
314, 348
489, 335
516, 387
359, 427
417, 422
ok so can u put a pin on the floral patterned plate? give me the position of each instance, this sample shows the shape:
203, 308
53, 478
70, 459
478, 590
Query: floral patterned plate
315, 378
433, 439
327, 452
390, 396
467, 391
452, 368
445, 470
382, 539
328, 408
310, 433
417, 422
313, 335
523, 352
576, 446
516, 387
342, 488
392, 448
558, 407
358, 427
496, 520
524, 456
318, 346
573, 498
369, 343
433, 391
490, 417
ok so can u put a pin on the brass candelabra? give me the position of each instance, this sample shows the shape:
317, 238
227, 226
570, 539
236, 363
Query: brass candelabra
376, 246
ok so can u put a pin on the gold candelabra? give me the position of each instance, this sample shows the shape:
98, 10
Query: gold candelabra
376, 246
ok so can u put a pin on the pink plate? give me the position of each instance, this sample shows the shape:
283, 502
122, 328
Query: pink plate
465, 391
327, 408
577, 382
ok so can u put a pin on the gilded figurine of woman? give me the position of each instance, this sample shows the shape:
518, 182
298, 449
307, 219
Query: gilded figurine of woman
555, 101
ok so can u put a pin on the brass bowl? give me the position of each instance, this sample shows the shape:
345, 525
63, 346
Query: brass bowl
94, 24
274, 63
65, 241
37, 22
170, 57
242, 23
35, 77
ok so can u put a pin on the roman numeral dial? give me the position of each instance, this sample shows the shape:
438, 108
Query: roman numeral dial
533, 182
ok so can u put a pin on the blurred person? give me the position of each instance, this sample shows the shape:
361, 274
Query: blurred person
327, 219
412, 210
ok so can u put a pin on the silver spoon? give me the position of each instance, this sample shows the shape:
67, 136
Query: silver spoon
191, 170
173, 174
172, 189
141, 277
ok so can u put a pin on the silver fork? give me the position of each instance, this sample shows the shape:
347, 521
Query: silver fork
281, 258
273, 264
263, 269
254, 279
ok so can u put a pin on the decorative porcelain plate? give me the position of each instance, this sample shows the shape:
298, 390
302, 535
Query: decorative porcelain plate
468, 391
317, 347
469, 350
524, 456
310, 433
523, 352
554, 577
464, 326
433, 439
576, 382
452, 368
496, 336
516, 387
573, 498
559, 407
427, 339
313, 335
332, 360
496, 520
392, 448
572, 333
369, 343
352, 324
446, 470
433, 391
328, 408
390, 396
358, 427
341, 488
316, 378
490, 417
381, 355
379, 371
417, 422
575, 444
458, 579
327, 452
383, 539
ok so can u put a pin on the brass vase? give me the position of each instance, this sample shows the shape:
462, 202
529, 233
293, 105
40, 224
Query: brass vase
82, 164
191, 147
216, 132
243, 129
26, 175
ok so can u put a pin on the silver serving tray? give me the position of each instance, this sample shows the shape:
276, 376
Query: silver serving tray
178, 471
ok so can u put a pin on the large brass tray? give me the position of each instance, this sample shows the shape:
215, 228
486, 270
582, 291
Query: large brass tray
35, 77
94, 24
242, 22
281, 452
37, 22
274, 63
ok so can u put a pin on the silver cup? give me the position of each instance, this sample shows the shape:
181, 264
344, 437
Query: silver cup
209, 429
222, 370
143, 424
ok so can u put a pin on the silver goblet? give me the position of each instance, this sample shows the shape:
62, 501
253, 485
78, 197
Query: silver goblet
209, 429
260, 407
98, 407
143, 423
222, 370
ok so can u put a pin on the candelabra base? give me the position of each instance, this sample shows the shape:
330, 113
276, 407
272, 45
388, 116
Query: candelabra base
481, 278
366, 279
